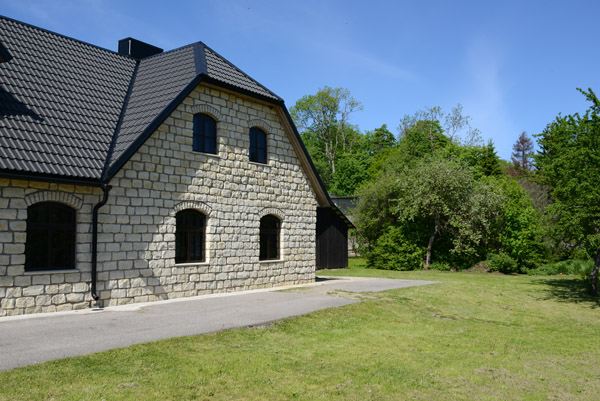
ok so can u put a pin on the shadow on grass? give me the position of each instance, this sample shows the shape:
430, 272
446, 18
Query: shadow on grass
575, 291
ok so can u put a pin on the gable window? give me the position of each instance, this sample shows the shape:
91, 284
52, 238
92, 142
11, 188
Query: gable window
269, 237
258, 145
190, 236
50, 243
205, 134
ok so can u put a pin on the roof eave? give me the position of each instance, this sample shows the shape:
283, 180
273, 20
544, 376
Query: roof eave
52, 178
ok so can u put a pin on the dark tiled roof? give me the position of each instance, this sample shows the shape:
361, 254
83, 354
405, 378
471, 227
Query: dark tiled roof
158, 81
74, 110
4, 54
59, 102
222, 70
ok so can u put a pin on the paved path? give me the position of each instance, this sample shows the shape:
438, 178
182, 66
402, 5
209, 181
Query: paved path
30, 339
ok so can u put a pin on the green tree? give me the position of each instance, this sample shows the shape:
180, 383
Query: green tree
569, 163
380, 140
426, 206
351, 173
445, 193
489, 162
326, 116
455, 125
517, 230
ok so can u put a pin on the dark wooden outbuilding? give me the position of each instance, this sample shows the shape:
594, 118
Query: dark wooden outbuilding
332, 238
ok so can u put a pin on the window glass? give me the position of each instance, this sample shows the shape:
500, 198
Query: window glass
190, 236
50, 243
258, 145
269, 237
205, 134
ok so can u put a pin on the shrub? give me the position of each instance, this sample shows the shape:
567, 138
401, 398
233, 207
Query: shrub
582, 268
502, 262
442, 266
393, 252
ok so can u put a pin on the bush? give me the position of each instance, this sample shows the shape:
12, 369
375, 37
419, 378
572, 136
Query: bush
582, 268
442, 266
393, 252
502, 262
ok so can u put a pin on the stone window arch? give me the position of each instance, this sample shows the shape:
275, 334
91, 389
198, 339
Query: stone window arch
71, 200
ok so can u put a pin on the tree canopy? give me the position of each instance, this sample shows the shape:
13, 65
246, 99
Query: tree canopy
437, 196
569, 164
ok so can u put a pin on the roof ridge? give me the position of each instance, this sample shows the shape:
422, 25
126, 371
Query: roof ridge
169, 51
237, 68
113, 141
63, 36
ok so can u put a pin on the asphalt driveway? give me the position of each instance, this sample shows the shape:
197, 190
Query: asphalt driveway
30, 339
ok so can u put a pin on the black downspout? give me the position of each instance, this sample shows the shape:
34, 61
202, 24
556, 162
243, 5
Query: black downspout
105, 189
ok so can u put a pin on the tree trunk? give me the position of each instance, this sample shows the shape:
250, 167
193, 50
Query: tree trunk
594, 274
430, 244
429, 247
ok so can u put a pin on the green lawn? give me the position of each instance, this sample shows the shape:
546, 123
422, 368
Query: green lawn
473, 336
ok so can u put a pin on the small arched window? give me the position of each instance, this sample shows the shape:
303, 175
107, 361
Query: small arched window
269, 237
190, 233
258, 145
50, 243
205, 134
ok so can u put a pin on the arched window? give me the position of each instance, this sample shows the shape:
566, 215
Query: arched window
205, 134
269, 237
50, 243
258, 145
190, 233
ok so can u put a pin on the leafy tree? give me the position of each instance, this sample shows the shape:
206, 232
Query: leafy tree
489, 162
317, 154
351, 173
433, 121
517, 228
569, 163
434, 189
522, 155
424, 205
326, 115
380, 140
456, 122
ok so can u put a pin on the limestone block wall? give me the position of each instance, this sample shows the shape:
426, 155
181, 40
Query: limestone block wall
32, 292
136, 242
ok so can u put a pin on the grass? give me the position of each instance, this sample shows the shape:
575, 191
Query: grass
473, 336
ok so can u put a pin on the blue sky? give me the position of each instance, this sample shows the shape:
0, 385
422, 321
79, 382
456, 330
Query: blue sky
513, 65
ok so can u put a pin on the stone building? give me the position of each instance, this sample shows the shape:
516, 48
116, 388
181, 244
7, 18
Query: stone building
144, 175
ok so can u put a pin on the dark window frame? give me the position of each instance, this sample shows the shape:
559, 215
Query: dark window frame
270, 234
205, 134
44, 250
258, 146
189, 234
